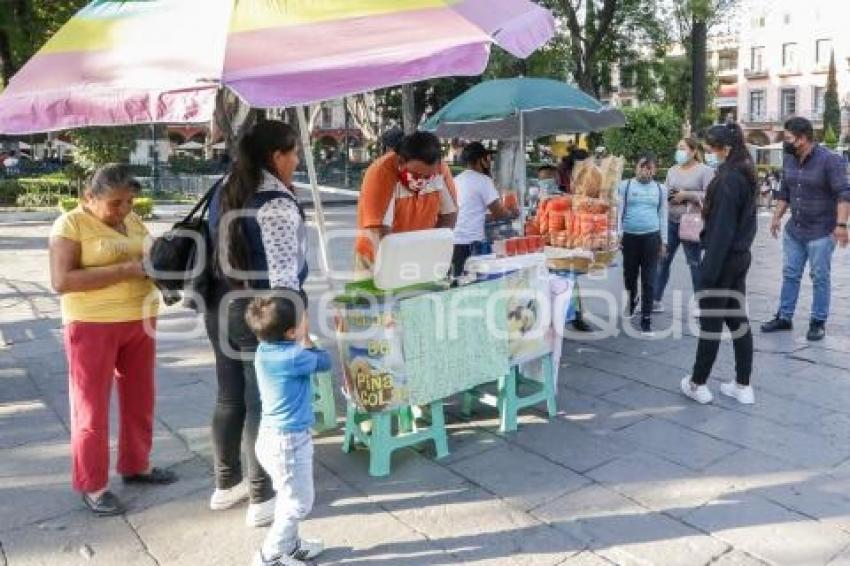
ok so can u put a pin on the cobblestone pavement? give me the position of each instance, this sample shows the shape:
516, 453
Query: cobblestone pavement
627, 473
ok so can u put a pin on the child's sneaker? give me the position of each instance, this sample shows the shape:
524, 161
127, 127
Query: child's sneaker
744, 395
260, 514
260, 560
226, 498
308, 549
700, 393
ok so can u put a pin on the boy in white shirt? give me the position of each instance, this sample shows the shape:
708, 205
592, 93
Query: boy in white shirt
476, 195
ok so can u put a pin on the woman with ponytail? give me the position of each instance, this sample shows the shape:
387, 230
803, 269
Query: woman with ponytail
259, 240
730, 228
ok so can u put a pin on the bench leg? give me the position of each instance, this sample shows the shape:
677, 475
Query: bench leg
549, 370
507, 401
325, 403
438, 429
380, 447
351, 425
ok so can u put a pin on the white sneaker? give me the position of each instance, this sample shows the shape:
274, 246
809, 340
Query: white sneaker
260, 514
308, 549
226, 498
744, 395
701, 394
259, 560
657, 306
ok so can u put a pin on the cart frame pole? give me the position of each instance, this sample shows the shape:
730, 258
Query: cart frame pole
523, 176
301, 111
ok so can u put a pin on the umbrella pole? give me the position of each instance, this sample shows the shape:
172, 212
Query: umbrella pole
314, 189
523, 178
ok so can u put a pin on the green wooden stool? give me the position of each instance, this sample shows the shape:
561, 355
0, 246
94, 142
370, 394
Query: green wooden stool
324, 404
507, 399
381, 441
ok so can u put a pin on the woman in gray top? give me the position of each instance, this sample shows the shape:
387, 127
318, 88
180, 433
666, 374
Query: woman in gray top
686, 184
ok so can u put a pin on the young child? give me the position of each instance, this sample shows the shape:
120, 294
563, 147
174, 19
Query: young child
285, 359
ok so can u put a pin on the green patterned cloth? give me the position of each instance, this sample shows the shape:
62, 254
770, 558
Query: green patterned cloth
447, 345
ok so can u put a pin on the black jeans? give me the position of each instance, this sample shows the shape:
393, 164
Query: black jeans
236, 419
728, 295
463, 252
640, 257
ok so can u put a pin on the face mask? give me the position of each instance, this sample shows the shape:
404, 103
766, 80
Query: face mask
414, 183
547, 185
712, 160
682, 157
789, 148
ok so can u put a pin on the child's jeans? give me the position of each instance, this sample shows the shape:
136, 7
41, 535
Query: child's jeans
288, 459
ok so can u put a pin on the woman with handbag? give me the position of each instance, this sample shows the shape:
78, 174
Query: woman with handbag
730, 227
686, 184
259, 243
109, 310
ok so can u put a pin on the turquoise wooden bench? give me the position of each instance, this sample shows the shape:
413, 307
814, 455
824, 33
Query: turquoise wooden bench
381, 441
507, 399
324, 404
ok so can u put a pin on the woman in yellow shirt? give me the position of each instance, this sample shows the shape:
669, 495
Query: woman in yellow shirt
109, 311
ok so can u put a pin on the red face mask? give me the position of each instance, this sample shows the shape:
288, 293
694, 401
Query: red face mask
414, 182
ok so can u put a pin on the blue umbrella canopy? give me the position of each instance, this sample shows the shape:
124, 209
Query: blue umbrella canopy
492, 110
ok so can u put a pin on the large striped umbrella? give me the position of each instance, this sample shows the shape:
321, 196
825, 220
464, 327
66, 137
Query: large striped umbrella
142, 61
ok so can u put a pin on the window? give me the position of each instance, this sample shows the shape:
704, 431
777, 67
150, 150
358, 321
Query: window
787, 19
758, 21
727, 62
823, 50
757, 59
327, 117
757, 106
789, 55
818, 98
788, 102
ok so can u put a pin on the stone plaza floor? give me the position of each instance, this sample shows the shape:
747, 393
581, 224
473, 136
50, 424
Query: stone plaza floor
629, 472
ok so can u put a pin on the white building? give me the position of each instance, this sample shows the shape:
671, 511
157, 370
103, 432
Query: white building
785, 48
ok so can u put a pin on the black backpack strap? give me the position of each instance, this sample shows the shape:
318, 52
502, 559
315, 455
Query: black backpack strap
626, 198
203, 204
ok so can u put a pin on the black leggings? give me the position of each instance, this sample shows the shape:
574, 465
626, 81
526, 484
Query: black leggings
728, 295
640, 256
236, 418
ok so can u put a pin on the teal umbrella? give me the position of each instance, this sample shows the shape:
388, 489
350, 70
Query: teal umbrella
522, 107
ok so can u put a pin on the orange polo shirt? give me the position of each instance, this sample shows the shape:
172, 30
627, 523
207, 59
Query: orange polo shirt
385, 201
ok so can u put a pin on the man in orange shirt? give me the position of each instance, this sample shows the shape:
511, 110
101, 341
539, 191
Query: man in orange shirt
404, 190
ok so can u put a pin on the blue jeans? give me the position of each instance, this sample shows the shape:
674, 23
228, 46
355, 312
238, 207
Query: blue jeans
692, 254
795, 253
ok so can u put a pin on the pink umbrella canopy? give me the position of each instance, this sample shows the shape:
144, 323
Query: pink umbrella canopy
141, 61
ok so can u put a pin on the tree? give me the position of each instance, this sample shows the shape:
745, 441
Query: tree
26, 25
694, 19
98, 146
831, 106
601, 32
648, 128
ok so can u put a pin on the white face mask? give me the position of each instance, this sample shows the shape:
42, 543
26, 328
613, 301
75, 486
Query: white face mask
712, 160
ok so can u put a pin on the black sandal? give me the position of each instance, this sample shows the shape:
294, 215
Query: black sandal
157, 476
107, 505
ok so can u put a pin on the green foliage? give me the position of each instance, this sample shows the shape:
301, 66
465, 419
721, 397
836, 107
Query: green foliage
648, 128
142, 206
67, 204
25, 26
10, 190
186, 164
831, 106
99, 146
830, 138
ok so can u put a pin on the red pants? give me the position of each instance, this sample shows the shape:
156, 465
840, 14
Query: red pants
97, 354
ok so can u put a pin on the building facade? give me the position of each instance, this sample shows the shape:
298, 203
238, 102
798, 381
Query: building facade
784, 54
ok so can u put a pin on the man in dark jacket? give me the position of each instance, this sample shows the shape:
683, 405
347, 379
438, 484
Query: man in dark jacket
815, 187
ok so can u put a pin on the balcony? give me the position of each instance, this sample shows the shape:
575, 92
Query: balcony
759, 119
760, 73
790, 71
